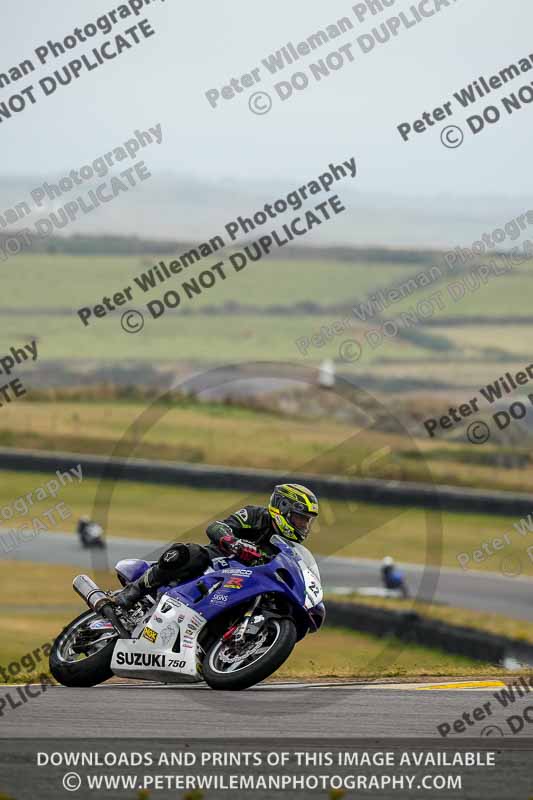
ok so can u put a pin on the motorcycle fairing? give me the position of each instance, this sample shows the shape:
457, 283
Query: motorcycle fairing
292, 573
129, 569
163, 647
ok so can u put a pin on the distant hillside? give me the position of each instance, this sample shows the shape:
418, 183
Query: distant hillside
185, 208
109, 245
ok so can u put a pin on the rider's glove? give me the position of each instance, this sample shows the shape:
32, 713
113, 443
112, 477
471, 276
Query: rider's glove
244, 551
227, 544
247, 551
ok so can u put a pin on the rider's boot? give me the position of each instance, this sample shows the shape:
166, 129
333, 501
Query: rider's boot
166, 570
138, 589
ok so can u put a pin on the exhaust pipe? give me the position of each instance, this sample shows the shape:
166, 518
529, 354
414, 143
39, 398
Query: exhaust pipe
90, 593
98, 601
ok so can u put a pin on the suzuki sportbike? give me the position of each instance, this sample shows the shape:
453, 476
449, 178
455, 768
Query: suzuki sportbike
231, 628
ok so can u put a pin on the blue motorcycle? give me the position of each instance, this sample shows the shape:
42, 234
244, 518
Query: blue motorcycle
231, 628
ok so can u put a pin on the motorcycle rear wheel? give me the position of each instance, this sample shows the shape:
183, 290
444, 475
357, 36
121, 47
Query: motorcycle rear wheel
71, 670
224, 670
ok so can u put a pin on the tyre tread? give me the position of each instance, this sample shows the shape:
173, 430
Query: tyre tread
256, 672
76, 674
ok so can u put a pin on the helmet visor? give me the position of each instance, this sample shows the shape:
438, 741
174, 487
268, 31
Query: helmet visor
302, 523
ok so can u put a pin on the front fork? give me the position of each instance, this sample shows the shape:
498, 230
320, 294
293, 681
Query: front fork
243, 628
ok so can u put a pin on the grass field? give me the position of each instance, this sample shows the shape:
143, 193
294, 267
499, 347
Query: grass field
478, 340
39, 601
387, 367
448, 358
502, 295
222, 434
225, 339
205, 339
230, 339
65, 281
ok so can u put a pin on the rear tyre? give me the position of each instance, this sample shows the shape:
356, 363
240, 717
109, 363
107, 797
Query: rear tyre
75, 669
228, 667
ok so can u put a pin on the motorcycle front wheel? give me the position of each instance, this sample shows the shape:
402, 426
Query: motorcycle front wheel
233, 666
81, 655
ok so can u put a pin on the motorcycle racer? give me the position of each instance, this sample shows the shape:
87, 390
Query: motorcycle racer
244, 535
392, 577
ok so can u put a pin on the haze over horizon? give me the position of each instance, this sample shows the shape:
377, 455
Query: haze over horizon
215, 162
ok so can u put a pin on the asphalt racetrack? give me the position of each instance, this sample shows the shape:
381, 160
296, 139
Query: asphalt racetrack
489, 591
275, 711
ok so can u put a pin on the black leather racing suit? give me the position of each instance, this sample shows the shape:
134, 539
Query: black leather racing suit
252, 523
184, 562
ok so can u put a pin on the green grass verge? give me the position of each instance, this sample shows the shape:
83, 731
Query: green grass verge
340, 653
497, 624
37, 602
222, 434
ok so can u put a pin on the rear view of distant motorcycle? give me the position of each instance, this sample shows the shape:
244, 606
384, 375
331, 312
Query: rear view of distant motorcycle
91, 534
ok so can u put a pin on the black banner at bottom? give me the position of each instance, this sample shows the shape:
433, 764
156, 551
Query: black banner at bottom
139, 769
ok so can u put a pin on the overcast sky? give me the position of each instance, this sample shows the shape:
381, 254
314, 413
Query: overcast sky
201, 45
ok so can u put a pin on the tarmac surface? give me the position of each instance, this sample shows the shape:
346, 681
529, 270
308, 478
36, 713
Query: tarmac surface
280, 711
